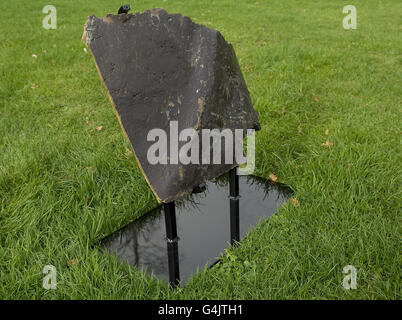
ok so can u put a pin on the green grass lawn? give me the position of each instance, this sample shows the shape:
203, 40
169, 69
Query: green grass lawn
65, 185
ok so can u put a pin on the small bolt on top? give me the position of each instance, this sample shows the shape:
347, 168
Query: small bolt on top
124, 9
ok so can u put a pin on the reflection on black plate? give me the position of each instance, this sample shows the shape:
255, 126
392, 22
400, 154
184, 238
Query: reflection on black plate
203, 227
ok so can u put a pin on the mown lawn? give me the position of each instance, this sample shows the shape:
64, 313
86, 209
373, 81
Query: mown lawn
64, 184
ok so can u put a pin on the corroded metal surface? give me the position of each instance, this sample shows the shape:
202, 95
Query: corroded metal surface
159, 67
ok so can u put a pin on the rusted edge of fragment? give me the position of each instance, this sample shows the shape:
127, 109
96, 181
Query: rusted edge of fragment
88, 31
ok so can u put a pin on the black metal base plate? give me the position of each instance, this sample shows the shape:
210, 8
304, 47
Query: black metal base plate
203, 227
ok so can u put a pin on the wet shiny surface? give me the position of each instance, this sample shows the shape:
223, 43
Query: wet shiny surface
203, 227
